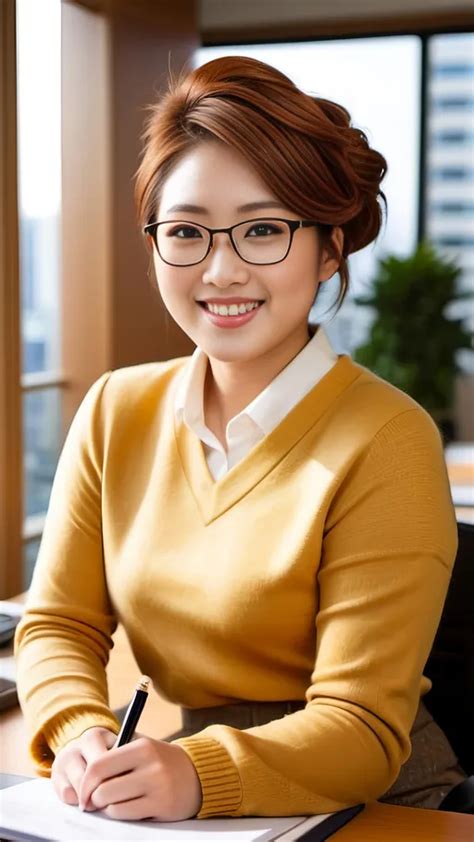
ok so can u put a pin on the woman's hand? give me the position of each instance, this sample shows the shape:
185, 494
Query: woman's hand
144, 779
71, 762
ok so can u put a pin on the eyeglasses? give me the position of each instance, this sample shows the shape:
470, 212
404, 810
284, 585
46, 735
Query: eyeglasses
260, 241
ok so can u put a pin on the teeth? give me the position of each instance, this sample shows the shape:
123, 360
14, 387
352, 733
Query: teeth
233, 309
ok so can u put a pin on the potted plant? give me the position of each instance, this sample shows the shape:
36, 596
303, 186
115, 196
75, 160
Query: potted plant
412, 342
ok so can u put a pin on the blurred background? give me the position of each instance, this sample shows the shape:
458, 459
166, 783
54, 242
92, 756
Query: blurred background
76, 294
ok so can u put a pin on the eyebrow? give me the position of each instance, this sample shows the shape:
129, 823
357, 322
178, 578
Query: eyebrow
251, 206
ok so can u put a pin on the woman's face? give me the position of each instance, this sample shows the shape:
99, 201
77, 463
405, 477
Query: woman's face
225, 190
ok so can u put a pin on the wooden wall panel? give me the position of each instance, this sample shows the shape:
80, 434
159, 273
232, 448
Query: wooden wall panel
141, 54
278, 19
115, 61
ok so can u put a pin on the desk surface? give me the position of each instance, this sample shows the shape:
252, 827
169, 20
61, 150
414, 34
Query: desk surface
388, 823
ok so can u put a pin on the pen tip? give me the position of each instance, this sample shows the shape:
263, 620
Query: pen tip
144, 682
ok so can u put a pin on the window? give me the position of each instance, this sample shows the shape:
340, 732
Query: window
39, 173
464, 103
453, 70
450, 160
458, 207
377, 80
452, 136
380, 81
452, 173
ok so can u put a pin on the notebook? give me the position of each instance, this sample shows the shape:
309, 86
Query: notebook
31, 812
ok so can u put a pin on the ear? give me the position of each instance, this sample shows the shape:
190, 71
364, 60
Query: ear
331, 256
149, 241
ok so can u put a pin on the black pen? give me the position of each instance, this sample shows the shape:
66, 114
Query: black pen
130, 720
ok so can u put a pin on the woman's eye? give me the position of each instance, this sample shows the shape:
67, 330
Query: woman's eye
263, 229
185, 232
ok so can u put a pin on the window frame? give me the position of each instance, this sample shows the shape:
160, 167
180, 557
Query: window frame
11, 473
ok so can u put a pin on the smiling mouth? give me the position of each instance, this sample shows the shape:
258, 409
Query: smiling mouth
242, 309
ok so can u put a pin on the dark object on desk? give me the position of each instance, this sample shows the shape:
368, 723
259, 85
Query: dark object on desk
8, 694
450, 667
333, 823
461, 798
8, 624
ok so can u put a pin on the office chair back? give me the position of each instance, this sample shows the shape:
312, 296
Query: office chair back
450, 665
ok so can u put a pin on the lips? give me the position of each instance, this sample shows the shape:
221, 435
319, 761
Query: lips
233, 321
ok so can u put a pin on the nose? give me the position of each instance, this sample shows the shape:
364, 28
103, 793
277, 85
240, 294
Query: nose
223, 266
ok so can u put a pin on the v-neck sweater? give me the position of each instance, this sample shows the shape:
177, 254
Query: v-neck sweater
315, 569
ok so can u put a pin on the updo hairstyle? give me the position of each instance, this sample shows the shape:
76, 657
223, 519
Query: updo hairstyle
304, 148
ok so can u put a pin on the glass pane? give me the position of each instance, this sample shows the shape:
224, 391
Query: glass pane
377, 80
39, 162
42, 439
450, 162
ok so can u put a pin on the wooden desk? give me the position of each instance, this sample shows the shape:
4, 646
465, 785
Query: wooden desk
388, 823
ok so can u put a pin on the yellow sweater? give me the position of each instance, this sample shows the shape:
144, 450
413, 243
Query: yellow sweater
315, 569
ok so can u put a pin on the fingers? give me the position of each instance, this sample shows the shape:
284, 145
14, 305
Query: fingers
67, 781
71, 762
124, 788
106, 766
95, 742
135, 810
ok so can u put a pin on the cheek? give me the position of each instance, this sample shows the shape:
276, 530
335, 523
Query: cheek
294, 281
174, 284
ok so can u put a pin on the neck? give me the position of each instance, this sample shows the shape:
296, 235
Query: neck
230, 386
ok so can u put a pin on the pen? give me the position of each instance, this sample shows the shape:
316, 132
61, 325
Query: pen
130, 720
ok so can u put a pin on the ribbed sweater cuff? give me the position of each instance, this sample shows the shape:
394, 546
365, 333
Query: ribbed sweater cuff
220, 780
64, 728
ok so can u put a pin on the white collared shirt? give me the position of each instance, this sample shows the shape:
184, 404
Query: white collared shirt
263, 414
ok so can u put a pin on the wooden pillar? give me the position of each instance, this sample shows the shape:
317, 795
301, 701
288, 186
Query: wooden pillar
116, 57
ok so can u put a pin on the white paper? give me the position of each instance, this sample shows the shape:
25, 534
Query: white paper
34, 808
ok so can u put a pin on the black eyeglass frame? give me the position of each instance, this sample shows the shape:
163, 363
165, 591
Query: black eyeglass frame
293, 224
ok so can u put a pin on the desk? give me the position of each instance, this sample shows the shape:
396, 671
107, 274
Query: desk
377, 823
388, 823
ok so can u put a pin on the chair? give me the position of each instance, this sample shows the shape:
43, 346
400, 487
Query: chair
450, 667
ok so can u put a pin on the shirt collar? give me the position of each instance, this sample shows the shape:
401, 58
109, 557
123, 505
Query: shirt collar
273, 403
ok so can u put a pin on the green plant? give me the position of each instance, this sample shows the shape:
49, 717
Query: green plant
412, 343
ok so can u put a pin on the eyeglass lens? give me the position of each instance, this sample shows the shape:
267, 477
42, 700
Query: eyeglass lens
258, 241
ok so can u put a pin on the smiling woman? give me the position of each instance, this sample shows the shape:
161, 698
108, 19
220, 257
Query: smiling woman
263, 516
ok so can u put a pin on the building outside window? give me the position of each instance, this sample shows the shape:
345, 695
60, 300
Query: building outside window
450, 160
39, 165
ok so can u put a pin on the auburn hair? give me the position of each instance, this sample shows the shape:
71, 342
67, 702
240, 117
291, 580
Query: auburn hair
303, 147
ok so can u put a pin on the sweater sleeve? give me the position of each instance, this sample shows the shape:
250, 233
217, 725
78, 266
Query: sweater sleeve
63, 641
388, 550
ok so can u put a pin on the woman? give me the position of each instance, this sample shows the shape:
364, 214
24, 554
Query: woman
271, 522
